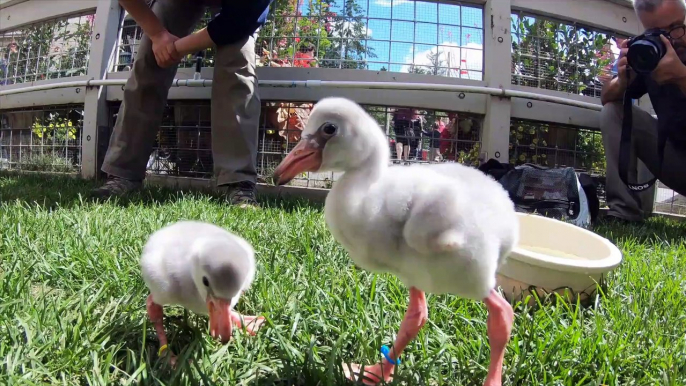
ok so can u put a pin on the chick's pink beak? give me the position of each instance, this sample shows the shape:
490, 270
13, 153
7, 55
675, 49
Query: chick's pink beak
221, 326
303, 158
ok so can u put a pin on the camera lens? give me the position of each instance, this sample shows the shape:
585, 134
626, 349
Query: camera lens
644, 54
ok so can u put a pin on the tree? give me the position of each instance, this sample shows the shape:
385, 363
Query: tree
338, 41
414, 69
437, 66
558, 56
562, 57
349, 49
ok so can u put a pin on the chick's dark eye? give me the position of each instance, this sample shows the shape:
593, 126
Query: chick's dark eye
205, 281
329, 129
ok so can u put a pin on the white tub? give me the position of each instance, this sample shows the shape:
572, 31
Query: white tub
553, 255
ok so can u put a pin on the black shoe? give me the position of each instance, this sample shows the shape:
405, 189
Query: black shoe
241, 194
116, 187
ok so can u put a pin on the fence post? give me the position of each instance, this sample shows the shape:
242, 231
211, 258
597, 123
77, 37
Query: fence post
497, 73
95, 116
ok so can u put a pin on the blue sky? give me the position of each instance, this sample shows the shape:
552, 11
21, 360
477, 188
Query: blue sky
401, 29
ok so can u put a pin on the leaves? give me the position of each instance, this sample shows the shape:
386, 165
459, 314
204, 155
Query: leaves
58, 128
558, 56
338, 40
48, 50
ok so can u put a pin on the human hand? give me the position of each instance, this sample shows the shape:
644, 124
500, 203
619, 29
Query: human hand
623, 64
164, 49
670, 69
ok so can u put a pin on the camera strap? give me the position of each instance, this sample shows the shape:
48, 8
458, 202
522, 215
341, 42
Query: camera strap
625, 147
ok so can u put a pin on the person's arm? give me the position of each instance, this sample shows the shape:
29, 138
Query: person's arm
162, 40
194, 42
144, 17
237, 20
670, 70
613, 91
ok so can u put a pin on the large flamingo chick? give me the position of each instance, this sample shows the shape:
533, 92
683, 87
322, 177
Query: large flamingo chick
439, 228
203, 268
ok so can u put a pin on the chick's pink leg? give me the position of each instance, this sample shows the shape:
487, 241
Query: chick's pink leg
252, 323
499, 325
415, 317
156, 315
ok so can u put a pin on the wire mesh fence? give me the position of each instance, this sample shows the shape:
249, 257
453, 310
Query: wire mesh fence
50, 49
669, 201
131, 34
183, 144
45, 139
419, 37
555, 145
561, 56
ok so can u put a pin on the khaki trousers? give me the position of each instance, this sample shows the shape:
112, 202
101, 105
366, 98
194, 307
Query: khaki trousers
235, 103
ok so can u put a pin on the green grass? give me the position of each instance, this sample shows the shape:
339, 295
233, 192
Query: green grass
72, 304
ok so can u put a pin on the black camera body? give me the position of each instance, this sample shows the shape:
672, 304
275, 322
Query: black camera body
646, 51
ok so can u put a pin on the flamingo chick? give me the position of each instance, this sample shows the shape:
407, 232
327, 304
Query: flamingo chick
440, 229
203, 268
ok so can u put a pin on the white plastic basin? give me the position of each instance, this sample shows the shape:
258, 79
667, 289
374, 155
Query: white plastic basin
556, 256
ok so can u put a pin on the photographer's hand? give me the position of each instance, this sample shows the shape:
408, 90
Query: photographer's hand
613, 91
623, 66
670, 70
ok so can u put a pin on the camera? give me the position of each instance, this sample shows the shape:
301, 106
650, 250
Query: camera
646, 51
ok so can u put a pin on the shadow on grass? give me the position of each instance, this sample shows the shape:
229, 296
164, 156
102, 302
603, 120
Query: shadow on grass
186, 341
60, 191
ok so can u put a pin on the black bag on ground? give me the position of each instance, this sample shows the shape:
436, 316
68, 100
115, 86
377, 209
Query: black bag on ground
551, 192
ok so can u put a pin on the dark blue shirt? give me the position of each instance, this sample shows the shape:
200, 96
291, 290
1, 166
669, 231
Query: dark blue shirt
237, 20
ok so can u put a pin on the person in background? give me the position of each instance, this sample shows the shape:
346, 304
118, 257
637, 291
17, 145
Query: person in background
666, 86
235, 102
12, 50
405, 122
449, 137
434, 137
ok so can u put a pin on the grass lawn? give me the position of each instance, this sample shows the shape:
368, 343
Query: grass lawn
72, 304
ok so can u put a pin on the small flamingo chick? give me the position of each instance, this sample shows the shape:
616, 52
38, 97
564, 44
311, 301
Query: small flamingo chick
203, 268
440, 228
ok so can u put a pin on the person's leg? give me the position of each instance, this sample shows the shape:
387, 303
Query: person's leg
672, 175
644, 142
235, 117
398, 149
145, 96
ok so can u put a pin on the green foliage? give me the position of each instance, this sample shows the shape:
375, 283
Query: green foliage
557, 56
55, 126
49, 50
47, 162
553, 55
437, 66
555, 145
338, 40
